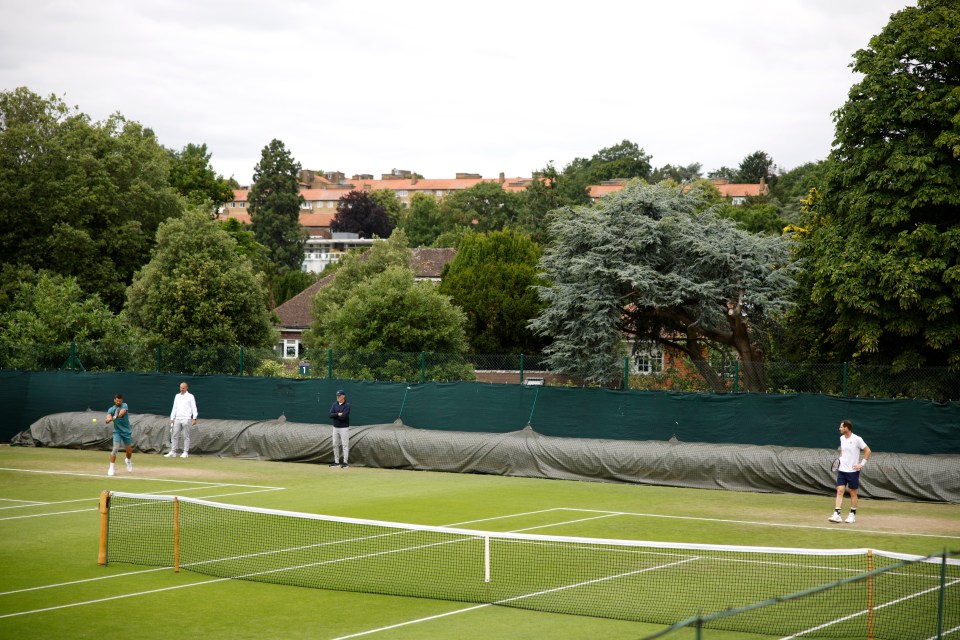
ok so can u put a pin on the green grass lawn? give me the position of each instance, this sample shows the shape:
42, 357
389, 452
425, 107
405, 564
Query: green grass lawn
52, 587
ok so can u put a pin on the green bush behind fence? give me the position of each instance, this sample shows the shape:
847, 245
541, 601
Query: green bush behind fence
844, 380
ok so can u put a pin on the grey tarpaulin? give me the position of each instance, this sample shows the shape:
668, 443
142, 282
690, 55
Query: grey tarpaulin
525, 453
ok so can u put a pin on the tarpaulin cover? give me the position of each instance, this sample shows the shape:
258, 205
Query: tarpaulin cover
526, 453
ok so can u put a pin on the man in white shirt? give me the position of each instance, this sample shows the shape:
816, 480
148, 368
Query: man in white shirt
184, 410
848, 473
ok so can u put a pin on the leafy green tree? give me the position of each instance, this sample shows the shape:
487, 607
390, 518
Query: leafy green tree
391, 312
643, 265
793, 186
724, 173
491, 279
374, 304
549, 191
55, 310
423, 222
193, 177
623, 160
756, 167
359, 212
882, 249
274, 202
247, 245
760, 217
198, 291
679, 174
485, 206
286, 285
79, 198
46, 311
387, 198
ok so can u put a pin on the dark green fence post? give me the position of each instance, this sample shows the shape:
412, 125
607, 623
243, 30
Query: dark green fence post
943, 590
521, 368
626, 372
844, 380
158, 359
736, 375
72, 362
423, 367
329, 364
241, 361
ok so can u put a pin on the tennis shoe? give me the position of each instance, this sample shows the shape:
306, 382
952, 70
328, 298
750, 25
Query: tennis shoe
184, 455
172, 454
110, 471
851, 518
344, 466
335, 465
835, 518
129, 466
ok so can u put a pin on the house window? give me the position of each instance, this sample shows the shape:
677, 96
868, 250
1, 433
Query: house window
306, 205
330, 204
401, 193
647, 359
289, 349
243, 205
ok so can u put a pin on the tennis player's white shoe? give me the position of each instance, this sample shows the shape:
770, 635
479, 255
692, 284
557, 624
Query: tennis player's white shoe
835, 517
851, 518
172, 454
184, 455
110, 471
129, 465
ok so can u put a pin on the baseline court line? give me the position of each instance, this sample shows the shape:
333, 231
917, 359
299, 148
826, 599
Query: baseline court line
129, 477
765, 524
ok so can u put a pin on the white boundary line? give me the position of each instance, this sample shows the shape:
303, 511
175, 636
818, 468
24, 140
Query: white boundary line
766, 524
133, 477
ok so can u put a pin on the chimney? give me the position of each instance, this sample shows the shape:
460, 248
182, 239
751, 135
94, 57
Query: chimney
413, 180
501, 177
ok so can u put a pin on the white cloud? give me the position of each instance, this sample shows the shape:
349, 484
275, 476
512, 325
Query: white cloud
441, 87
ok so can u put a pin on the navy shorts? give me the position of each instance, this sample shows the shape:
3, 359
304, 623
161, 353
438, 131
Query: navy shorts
849, 478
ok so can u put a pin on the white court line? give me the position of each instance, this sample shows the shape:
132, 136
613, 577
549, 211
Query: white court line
133, 477
28, 502
766, 524
45, 504
62, 513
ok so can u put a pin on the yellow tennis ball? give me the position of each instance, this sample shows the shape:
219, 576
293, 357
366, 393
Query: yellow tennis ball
94, 419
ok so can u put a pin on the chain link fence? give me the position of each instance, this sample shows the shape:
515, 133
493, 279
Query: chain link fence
721, 375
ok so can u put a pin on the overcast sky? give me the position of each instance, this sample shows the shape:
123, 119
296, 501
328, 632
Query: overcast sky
445, 87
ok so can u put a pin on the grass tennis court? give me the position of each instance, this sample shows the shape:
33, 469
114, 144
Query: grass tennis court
51, 585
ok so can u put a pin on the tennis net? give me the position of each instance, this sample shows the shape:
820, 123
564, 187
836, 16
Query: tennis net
622, 579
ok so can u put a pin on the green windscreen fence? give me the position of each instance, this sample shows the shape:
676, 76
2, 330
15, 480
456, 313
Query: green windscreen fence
901, 426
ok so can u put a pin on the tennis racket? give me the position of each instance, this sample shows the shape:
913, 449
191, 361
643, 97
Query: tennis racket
836, 462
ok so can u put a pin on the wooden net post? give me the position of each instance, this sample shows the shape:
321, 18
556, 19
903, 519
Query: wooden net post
176, 535
104, 526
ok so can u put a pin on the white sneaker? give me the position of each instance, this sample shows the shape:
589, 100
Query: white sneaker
835, 517
110, 471
129, 466
184, 455
172, 454
851, 518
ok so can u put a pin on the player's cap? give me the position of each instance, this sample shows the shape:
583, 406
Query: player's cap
340, 392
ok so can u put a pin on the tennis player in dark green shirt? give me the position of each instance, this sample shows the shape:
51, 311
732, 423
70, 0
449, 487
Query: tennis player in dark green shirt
117, 414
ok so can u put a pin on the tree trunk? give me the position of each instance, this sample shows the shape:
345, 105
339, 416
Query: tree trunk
751, 358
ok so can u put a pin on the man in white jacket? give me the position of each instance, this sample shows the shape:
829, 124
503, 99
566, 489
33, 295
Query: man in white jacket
184, 410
